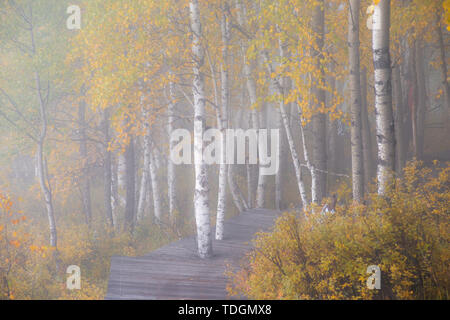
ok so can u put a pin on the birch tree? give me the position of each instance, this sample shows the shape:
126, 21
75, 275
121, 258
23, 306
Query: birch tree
383, 95
130, 186
143, 188
444, 67
366, 132
355, 101
41, 94
201, 198
107, 170
221, 202
84, 176
287, 127
156, 191
249, 73
171, 187
421, 99
319, 119
398, 118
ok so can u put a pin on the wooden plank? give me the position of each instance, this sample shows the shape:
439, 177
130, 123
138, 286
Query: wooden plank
176, 272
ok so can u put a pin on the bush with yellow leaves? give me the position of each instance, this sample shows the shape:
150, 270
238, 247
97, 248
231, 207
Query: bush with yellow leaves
31, 270
316, 256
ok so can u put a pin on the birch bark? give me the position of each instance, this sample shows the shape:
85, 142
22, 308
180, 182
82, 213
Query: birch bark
171, 166
201, 197
355, 102
366, 132
107, 171
84, 179
383, 95
319, 119
157, 203
221, 202
42, 172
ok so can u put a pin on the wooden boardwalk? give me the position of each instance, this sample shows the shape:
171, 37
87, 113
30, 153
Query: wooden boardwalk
175, 271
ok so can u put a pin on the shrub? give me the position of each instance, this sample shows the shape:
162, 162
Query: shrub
405, 233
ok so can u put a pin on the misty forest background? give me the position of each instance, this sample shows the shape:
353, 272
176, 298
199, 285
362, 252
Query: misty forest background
86, 117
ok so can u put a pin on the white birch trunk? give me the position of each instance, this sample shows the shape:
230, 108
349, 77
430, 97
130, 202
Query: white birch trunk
157, 204
261, 188
171, 166
115, 199
84, 179
279, 174
285, 118
42, 174
121, 179
222, 193
107, 171
201, 197
366, 132
234, 190
355, 102
383, 95
145, 169
248, 69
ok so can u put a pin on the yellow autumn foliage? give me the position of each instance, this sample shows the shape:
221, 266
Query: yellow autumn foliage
326, 256
29, 269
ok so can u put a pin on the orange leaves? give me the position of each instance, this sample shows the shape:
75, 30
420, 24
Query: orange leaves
5, 203
14, 243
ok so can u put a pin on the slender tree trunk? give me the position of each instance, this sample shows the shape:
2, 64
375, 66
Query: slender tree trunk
45, 188
115, 199
201, 197
235, 192
130, 185
221, 202
145, 169
248, 69
157, 203
107, 171
251, 174
398, 96
355, 102
332, 145
42, 173
414, 97
365, 130
262, 179
383, 95
84, 178
319, 119
121, 179
421, 101
444, 69
332, 134
171, 171
407, 77
279, 175
290, 139
285, 84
